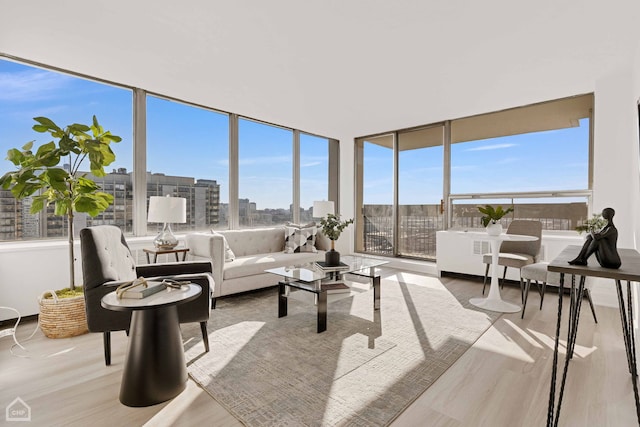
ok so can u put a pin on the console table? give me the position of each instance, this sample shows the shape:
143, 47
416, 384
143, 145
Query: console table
629, 272
154, 368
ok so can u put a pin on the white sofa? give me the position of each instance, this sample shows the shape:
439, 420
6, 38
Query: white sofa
255, 250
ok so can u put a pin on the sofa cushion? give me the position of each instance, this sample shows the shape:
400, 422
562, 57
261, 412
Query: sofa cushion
257, 264
300, 238
228, 253
255, 241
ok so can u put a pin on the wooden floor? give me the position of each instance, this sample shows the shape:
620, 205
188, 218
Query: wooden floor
503, 380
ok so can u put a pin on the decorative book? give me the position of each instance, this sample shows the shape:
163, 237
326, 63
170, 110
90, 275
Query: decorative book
140, 291
323, 265
335, 288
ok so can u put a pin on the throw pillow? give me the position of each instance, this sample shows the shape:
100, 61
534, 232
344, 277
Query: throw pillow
228, 253
311, 224
299, 238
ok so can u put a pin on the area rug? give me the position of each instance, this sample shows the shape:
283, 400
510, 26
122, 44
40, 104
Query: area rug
363, 371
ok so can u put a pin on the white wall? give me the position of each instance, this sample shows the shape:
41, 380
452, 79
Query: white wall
456, 252
27, 269
615, 181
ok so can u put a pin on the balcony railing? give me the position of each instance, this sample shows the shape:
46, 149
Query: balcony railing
418, 224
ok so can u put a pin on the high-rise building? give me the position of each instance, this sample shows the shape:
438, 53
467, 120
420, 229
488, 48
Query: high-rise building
203, 206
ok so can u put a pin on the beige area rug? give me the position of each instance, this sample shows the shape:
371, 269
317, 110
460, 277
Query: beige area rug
363, 371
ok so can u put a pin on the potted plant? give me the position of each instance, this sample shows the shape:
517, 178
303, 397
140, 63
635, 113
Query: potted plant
39, 177
332, 226
491, 217
592, 225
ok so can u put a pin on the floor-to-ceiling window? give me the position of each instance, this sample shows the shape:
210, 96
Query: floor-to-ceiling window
265, 166
184, 150
188, 156
534, 158
420, 175
314, 173
27, 92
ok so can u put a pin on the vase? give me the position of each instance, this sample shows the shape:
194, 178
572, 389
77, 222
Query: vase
332, 257
494, 229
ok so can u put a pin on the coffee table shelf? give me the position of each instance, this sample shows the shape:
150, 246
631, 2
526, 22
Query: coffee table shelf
308, 277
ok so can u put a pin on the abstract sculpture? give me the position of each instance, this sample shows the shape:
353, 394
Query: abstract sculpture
602, 243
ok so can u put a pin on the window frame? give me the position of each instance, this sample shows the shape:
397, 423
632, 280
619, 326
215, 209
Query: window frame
449, 198
139, 155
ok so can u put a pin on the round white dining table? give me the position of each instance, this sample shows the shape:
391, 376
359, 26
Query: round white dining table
493, 302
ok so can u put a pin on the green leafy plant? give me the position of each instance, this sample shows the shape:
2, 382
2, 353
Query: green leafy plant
491, 215
332, 227
592, 225
38, 175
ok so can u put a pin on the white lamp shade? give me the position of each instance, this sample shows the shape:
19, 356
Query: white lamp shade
167, 209
322, 208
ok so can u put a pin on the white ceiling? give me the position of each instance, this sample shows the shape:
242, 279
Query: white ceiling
340, 68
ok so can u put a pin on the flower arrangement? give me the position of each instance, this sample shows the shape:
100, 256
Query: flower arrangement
491, 215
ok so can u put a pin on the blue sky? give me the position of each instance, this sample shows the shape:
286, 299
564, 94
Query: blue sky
182, 140
187, 141
548, 160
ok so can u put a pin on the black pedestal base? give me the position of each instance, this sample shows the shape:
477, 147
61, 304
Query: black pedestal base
155, 369
332, 258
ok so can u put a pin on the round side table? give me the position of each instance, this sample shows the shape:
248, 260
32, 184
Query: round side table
154, 369
493, 301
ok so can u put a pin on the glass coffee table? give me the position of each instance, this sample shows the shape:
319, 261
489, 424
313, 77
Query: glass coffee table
309, 277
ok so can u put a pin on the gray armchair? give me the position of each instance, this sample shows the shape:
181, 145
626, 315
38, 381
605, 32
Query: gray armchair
517, 254
107, 262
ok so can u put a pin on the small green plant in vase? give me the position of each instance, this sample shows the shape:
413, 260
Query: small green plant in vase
332, 227
491, 216
592, 225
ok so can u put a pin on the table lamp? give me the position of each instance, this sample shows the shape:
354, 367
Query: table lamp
322, 208
167, 210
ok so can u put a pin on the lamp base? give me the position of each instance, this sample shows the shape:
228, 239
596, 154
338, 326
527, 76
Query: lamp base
332, 258
165, 239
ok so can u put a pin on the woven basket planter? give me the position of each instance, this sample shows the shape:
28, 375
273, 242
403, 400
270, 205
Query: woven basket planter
62, 317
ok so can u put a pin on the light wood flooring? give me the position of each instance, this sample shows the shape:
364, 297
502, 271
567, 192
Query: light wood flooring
503, 380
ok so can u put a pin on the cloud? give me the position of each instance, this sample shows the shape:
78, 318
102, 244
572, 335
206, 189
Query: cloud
266, 160
308, 165
492, 147
31, 85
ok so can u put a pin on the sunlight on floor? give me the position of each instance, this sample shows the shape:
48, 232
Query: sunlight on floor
498, 342
550, 342
171, 413
243, 333
416, 279
523, 334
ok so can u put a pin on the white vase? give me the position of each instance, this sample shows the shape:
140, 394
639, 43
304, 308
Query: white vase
494, 229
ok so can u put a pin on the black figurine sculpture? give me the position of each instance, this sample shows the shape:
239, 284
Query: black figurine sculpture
602, 243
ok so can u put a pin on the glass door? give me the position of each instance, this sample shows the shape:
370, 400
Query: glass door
375, 195
420, 188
